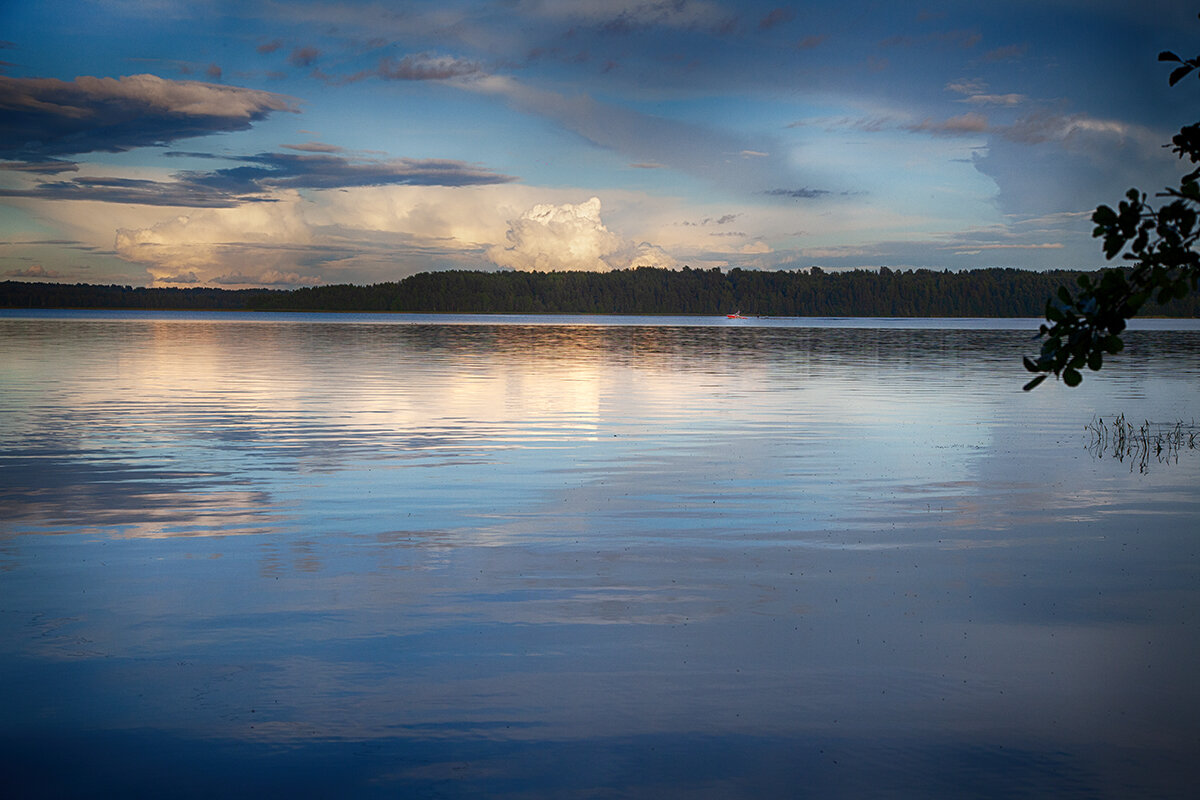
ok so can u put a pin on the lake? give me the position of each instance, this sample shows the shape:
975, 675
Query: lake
446, 556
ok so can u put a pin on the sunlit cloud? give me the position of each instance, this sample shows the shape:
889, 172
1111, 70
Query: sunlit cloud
549, 237
37, 271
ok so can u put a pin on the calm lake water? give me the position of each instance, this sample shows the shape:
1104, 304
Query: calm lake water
405, 556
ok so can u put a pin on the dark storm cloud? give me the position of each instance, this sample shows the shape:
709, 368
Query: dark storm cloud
42, 117
262, 174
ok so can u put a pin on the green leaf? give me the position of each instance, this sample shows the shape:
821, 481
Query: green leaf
1095, 360
1071, 377
1033, 383
1031, 365
1167, 55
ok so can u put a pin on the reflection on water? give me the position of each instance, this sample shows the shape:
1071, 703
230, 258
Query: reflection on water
331, 556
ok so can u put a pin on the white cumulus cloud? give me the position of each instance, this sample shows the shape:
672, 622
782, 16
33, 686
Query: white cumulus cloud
549, 237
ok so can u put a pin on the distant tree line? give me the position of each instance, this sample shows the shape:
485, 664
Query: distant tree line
20, 294
643, 290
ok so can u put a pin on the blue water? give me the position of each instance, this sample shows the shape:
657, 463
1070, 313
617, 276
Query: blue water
357, 555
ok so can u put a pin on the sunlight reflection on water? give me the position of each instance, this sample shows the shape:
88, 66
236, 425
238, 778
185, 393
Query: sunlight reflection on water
313, 555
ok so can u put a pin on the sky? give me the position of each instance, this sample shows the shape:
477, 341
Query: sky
182, 143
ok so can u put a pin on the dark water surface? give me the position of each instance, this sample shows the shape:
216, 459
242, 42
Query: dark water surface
337, 555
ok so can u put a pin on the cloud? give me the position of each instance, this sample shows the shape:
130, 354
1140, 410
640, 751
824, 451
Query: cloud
776, 16
623, 17
304, 56
271, 277
724, 219
207, 245
965, 124
363, 235
50, 166
964, 39
571, 237
259, 177
809, 42
967, 86
803, 193
131, 191
183, 277
1043, 246
42, 117
711, 154
36, 271
418, 67
272, 171
549, 237
428, 67
269, 47
1008, 53
1047, 163
314, 147
995, 99
1077, 129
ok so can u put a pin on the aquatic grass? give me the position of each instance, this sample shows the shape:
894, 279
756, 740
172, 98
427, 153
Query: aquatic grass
1157, 441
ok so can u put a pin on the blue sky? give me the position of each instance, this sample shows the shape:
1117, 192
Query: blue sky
266, 143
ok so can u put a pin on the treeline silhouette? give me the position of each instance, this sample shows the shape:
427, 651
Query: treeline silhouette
998, 292
19, 294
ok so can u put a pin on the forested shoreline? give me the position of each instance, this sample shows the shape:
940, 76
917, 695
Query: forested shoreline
998, 292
